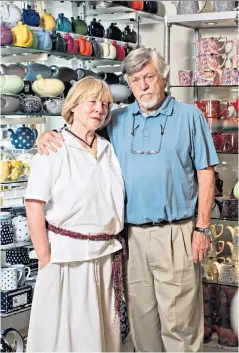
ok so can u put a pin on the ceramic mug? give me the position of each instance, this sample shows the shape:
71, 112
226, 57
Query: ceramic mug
23, 269
207, 78
209, 45
20, 229
210, 62
212, 108
209, 272
6, 229
17, 256
228, 76
185, 77
9, 278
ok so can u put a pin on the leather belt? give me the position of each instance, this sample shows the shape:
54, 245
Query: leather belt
158, 224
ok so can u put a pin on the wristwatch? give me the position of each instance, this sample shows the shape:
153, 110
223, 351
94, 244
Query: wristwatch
205, 231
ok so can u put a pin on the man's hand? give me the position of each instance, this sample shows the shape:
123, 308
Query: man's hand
201, 245
50, 140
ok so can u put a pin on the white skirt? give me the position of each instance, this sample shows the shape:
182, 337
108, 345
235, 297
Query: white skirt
73, 309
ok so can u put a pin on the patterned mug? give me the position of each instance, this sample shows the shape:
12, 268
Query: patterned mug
9, 278
209, 62
210, 45
6, 229
207, 78
185, 77
228, 76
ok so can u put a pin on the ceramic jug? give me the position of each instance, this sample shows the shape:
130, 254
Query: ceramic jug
72, 46
79, 26
9, 104
30, 104
37, 69
10, 84
22, 36
30, 17
210, 45
47, 87
6, 36
210, 62
14, 69
10, 14
95, 29
47, 21
224, 6
44, 40
63, 24
20, 229
187, 7
65, 74
53, 106
5, 345
23, 138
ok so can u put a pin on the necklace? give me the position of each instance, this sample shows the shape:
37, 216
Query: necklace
89, 145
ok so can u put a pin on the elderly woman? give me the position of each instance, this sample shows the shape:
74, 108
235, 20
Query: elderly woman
75, 210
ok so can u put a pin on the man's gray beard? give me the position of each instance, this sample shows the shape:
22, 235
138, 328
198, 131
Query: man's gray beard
149, 105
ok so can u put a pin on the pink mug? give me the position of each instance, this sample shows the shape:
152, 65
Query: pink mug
228, 76
209, 45
207, 78
210, 62
185, 77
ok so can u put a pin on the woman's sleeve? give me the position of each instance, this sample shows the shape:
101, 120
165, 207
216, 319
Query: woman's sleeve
41, 178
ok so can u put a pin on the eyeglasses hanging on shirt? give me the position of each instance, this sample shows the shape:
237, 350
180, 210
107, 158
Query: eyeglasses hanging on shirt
134, 132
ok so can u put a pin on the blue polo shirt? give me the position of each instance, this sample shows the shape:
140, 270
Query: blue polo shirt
163, 185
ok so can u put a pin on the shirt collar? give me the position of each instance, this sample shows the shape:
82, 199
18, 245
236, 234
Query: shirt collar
166, 108
73, 142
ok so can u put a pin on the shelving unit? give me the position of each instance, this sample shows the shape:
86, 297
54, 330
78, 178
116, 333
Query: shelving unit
21, 119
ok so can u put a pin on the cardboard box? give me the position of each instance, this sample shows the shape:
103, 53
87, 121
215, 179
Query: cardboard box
14, 300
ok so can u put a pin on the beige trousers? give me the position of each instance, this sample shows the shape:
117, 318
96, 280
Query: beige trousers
73, 309
164, 289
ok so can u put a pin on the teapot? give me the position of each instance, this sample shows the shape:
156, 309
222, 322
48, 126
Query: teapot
72, 46
109, 51
10, 84
136, 5
24, 137
20, 229
34, 40
10, 14
120, 92
53, 106
109, 77
129, 35
6, 35
79, 26
5, 345
96, 48
30, 17
22, 37
151, 6
30, 104
187, 7
120, 53
65, 74
113, 32
9, 104
47, 21
95, 29
85, 46
35, 69
44, 40
18, 70
224, 6
81, 73
63, 24
58, 42
47, 87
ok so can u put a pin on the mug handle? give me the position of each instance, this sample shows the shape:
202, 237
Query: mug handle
20, 275
25, 169
224, 44
218, 235
29, 272
223, 246
225, 58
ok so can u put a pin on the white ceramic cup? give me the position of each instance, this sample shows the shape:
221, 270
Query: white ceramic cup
9, 278
24, 276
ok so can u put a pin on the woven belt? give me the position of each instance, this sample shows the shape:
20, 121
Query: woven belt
118, 258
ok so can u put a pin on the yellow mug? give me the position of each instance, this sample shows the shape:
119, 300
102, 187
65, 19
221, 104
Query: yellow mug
18, 170
5, 170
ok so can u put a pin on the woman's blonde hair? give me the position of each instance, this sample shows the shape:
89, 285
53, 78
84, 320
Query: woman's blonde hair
82, 90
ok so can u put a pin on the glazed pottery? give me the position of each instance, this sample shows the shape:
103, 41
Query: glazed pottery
95, 29
9, 104
10, 84
79, 26
10, 14
209, 62
113, 32
23, 137
47, 87
120, 53
96, 48
85, 47
6, 35
212, 108
63, 24
188, 7
210, 45
136, 5
129, 35
185, 77
81, 73
151, 6
119, 92
30, 17
6, 228
22, 36
9, 278
24, 276
72, 46
109, 51
58, 42
30, 104
37, 69
224, 6
35, 41
47, 21
44, 40
65, 74
53, 106
14, 69
207, 78
20, 229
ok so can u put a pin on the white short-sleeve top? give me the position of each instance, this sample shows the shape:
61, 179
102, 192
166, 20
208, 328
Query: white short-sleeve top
82, 194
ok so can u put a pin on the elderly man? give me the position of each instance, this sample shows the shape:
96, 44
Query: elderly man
167, 156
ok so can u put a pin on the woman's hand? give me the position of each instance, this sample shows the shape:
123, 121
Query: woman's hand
43, 262
49, 140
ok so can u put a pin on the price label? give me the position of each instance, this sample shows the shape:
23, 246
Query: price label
20, 300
